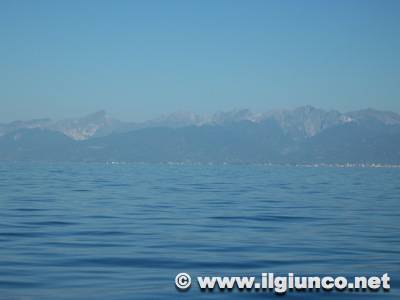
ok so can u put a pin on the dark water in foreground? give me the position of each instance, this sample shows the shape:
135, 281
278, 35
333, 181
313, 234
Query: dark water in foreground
97, 231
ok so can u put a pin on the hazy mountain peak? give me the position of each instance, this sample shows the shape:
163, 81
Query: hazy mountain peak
87, 126
305, 121
304, 134
234, 115
306, 109
301, 122
370, 114
15, 125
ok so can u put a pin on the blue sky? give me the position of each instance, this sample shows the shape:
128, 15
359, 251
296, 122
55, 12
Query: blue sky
140, 59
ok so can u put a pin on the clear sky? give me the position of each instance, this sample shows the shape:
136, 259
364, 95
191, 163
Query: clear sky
140, 59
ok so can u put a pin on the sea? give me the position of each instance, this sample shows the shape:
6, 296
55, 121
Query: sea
81, 231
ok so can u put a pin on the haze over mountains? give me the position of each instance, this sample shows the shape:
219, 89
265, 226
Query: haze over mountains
300, 136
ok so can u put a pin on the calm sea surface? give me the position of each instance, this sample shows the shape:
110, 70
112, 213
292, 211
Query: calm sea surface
100, 231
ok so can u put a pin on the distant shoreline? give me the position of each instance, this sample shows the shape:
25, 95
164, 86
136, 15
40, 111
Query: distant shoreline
293, 165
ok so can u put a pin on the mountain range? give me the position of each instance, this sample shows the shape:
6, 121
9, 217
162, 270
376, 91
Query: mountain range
305, 135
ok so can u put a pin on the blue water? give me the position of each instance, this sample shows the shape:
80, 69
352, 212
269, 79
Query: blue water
100, 231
